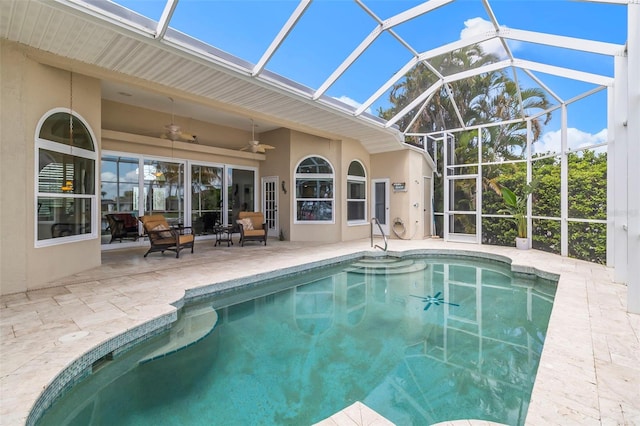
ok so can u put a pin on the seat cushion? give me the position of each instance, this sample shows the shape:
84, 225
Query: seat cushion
186, 239
257, 218
254, 233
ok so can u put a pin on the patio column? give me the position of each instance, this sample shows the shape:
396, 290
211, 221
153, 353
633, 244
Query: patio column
633, 158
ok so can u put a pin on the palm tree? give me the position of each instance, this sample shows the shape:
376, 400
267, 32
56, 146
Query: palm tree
440, 113
486, 98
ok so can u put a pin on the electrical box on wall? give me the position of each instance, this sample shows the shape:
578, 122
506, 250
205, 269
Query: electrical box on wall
399, 186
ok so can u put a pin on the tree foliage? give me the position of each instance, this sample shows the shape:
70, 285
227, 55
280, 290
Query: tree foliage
494, 97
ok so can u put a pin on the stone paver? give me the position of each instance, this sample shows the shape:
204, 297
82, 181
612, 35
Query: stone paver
589, 372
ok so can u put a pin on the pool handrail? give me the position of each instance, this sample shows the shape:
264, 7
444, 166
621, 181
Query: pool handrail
384, 237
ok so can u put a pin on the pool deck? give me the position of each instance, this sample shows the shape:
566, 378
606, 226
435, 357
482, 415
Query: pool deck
589, 373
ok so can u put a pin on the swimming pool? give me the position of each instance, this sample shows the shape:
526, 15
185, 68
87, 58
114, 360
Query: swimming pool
418, 339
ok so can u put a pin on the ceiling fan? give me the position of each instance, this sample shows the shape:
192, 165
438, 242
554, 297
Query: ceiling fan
255, 146
173, 132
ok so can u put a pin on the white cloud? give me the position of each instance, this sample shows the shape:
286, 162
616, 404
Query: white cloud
347, 100
576, 139
475, 26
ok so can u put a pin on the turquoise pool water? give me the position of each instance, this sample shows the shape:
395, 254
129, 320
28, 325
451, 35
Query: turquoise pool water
419, 340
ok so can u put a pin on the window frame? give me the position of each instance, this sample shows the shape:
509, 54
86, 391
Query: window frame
317, 176
358, 180
64, 149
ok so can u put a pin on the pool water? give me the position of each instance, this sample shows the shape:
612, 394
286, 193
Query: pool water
419, 340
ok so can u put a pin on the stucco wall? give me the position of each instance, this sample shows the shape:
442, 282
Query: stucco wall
131, 119
279, 164
408, 167
28, 90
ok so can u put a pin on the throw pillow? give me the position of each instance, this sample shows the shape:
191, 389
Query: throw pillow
246, 223
162, 227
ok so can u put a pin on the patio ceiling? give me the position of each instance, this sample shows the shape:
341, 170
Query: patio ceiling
131, 52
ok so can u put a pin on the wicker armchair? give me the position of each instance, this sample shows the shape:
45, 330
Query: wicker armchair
162, 237
122, 225
252, 227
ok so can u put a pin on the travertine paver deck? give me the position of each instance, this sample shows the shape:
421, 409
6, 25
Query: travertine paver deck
589, 371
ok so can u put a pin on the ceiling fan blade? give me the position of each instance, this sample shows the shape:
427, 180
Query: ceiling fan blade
265, 146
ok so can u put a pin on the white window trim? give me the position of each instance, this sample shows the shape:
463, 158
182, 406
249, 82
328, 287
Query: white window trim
297, 176
358, 179
40, 143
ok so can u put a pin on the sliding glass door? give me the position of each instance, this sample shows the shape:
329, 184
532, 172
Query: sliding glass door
206, 198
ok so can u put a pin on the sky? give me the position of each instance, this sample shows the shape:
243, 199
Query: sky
330, 29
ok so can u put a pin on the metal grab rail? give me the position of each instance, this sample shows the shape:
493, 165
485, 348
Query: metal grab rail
384, 237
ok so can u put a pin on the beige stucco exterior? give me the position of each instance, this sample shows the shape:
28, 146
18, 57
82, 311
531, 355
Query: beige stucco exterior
408, 167
30, 89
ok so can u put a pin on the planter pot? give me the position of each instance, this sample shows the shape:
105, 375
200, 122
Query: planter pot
522, 243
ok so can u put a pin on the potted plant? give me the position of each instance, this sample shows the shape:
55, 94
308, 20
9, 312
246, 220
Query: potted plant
516, 206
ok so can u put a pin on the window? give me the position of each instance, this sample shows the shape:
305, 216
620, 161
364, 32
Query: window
206, 197
356, 193
314, 190
241, 192
65, 194
163, 189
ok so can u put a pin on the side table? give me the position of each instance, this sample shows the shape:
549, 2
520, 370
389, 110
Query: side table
223, 235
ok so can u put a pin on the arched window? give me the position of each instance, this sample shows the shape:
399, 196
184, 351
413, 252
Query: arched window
314, 191
65, 181
356, 193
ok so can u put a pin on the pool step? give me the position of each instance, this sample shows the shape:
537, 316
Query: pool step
386, 266
192, 326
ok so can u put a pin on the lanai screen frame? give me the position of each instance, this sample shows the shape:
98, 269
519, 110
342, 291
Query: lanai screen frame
448, 137
624, 99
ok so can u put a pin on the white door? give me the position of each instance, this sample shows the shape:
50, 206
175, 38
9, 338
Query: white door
270, 204
380, 204
427, 206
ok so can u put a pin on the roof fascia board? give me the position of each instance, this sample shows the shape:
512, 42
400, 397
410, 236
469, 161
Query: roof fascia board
102, 16
191, 51
565, 42
282, 35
